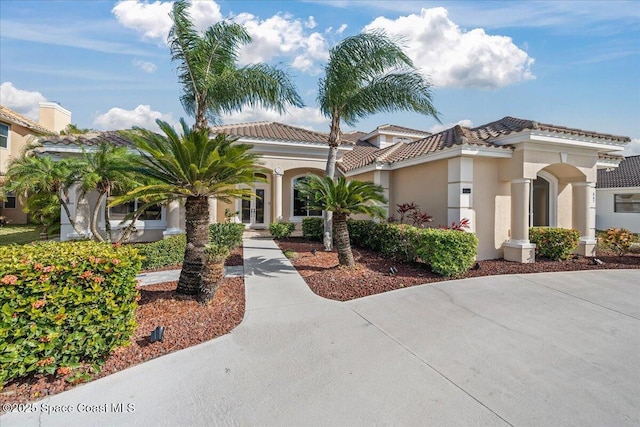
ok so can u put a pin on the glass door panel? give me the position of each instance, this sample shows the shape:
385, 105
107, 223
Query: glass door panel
246, 211
259, 206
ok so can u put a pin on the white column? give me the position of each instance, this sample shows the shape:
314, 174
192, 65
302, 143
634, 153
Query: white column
584, 216
382, 178
173, 219
277, 174
460, 192
213, 210
519, 248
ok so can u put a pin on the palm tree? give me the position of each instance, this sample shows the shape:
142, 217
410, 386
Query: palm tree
342, 198
194, 166
32, 173
366, 74
212, 83
107, 169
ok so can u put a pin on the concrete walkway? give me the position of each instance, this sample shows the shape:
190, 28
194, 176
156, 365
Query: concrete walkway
546, 349
154, 277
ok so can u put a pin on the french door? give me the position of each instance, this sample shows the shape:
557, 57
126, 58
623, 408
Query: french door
254, 213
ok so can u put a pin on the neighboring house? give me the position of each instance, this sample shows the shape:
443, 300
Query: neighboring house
16, 131
504, 177
618, 196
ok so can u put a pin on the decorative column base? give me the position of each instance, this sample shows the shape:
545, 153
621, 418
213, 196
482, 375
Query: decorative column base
586, 247
522, 252
171, 232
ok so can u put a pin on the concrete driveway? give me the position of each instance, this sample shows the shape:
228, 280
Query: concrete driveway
555, 349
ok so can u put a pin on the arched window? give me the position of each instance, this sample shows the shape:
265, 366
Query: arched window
298, 204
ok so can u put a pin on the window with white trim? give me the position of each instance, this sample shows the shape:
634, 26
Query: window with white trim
4, 135
626, 203
152, 213
298, 204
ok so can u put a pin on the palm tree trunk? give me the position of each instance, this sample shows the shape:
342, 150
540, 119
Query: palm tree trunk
343, 245
94, 217
330, 171
197, 228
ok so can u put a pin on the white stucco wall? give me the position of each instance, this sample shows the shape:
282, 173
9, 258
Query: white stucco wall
605, 215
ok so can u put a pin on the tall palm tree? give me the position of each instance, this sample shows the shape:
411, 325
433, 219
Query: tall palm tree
212, 82
32, 173
343, 198
194, 166
107, 169
367, 74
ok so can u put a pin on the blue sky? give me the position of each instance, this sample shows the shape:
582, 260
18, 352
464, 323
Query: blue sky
573, 63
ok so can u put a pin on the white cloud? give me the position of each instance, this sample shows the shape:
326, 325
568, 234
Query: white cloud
306, 117
341, 29
451, 56
440, 127
21, 101
146, 66
280, 35
141, 116
632, 148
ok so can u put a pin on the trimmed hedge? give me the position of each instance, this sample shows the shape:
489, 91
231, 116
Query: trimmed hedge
281, 230
554, 243
62, 304
447, 252
228, 234
312, 229
169, 251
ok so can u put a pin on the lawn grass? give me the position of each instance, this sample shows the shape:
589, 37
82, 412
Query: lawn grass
18, 234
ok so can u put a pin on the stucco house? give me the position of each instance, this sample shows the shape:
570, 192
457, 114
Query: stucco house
16, 131
618, 196
503, 176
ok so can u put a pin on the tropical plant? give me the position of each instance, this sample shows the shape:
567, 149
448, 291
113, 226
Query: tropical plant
194, 167
107, 169
73, 129
366, 74
212, 83
342, 198
32, 174
619, 240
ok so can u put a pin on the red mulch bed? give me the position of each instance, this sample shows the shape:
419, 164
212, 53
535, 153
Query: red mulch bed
186, 324
371, 275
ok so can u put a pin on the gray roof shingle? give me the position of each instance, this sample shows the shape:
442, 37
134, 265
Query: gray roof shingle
627, 174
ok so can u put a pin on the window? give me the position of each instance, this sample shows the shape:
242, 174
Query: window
152, 213
627, 203
298, 205
4, 136
11, 201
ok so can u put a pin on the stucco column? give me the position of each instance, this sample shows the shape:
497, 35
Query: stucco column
173, 219
81, 211
584, 216
213, 210
381, 178
519, 248
277, 174
460, 192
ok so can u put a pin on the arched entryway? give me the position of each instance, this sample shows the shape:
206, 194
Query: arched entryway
544, 201
255, 212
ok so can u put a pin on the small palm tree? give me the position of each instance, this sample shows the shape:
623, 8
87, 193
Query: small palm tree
367, 74
32, 173
343, 198
194, 167
107, 169
212, 83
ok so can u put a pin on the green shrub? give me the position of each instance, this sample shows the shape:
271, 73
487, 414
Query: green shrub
363, 233
217, 254
554, 243
619, 240
281, 230
395, 241
312, 229
63, 304
227, 234
169, 251
448, 252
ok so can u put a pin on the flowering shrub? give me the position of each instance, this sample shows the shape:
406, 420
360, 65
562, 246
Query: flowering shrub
619, 240
554, 243
62, 304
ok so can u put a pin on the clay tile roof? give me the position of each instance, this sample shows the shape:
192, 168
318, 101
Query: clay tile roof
627, 174
508, 125
354, 137
10, 116
272, 131
401, 129
89, 139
